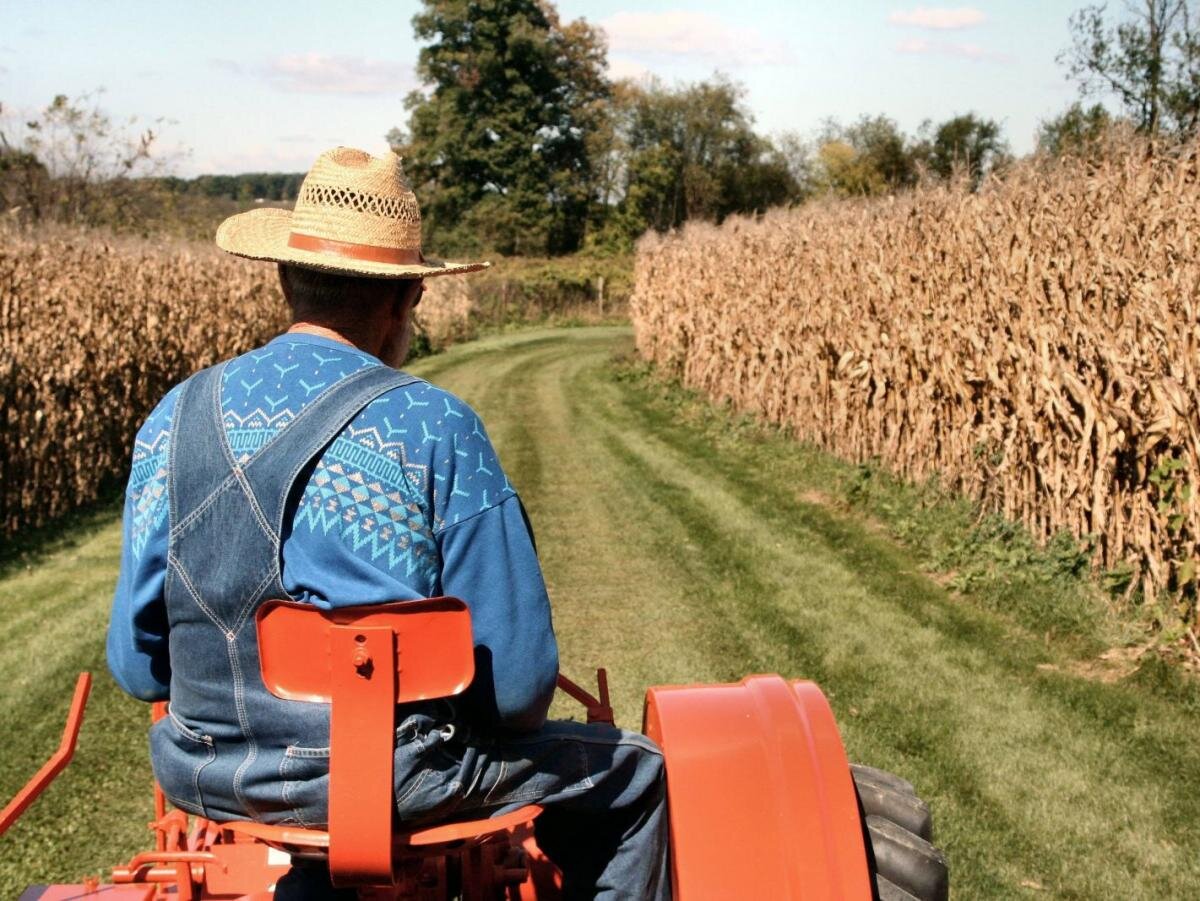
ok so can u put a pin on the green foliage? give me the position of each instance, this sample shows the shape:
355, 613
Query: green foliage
522, 146
846, 172
691, 153
871, 156
1149, 61
1173, 497
522, 290
248, 186
967, 143
1078, 130
496, 145
1046, 588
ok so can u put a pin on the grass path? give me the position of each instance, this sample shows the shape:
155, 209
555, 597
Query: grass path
677, 554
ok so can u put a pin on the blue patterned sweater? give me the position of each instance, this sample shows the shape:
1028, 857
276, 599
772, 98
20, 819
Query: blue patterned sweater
409, 501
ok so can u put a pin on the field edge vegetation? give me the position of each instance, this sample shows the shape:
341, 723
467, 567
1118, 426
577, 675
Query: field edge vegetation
1046, 589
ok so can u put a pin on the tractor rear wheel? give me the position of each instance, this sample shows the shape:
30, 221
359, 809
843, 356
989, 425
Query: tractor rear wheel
898, 830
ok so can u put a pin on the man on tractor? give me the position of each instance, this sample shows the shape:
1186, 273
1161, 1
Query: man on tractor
312, 469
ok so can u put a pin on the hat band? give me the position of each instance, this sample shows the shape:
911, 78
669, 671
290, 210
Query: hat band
369, 252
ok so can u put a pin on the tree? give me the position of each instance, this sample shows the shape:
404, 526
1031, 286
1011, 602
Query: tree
870, 156
846, 172
881, 146
691, 153
73, 163
1078, 130
1149, 61
497, 144
967, 142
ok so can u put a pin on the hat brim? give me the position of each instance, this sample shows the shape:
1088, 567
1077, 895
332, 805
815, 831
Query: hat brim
263, 235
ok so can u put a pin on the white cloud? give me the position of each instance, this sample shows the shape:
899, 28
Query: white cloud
695, 35
914, 45
922, 46
321, 73
623, 67
939, 18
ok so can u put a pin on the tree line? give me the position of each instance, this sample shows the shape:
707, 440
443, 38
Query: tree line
519, 142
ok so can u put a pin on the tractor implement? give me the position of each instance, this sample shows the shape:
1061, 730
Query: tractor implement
762, 800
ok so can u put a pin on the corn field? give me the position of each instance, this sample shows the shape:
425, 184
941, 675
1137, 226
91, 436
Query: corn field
1034, 346
95, 329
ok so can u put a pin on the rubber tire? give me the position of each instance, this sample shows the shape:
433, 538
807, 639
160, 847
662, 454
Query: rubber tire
888, 891
897, 828
908, 861
900, 807
861, 771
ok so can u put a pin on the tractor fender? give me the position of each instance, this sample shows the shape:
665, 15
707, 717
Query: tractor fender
761, 800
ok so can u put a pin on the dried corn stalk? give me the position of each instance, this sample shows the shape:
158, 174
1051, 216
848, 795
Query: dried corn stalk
1035, 346
95, 329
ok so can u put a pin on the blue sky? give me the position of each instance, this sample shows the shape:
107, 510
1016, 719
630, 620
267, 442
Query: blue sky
268, 85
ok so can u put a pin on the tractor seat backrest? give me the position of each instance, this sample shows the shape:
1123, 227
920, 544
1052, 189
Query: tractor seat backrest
364, 661
301, 647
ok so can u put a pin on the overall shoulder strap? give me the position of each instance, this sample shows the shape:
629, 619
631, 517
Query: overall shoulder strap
199, 460
274, 469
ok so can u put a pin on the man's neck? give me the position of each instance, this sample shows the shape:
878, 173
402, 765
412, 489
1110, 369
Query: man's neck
333, 333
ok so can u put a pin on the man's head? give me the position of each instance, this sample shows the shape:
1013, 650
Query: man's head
373, 313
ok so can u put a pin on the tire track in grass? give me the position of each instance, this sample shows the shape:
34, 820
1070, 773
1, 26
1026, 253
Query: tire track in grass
608, 598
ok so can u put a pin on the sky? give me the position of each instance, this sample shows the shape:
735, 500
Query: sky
267, 86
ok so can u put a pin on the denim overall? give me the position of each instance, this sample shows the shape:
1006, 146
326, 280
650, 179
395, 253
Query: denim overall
231, 750
228, 748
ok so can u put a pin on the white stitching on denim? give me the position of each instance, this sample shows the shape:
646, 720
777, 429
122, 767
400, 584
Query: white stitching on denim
259, 517
412, 789
172, 494
212, 755
583, 765
292, 806
227, 451
499, 778
187, 732
303, 753
239, 700
217, 379
173, 562
254, 597
204, 505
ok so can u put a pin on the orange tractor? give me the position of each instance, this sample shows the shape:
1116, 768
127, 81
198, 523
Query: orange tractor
763, 802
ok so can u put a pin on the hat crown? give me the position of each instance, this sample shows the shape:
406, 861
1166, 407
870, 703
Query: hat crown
355, 198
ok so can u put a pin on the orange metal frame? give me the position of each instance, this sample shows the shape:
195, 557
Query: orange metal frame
58, 760
761, 799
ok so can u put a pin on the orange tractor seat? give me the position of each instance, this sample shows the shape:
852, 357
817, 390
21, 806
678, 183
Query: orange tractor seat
364, 661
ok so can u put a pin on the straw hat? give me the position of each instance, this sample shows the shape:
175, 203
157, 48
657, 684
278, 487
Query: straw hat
355, 214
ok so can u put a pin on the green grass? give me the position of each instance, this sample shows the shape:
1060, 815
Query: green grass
681, 544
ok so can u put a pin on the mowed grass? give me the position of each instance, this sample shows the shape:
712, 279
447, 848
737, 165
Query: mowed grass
680, 551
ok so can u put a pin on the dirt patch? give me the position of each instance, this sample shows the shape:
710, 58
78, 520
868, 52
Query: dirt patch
1110, 667
820, 498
